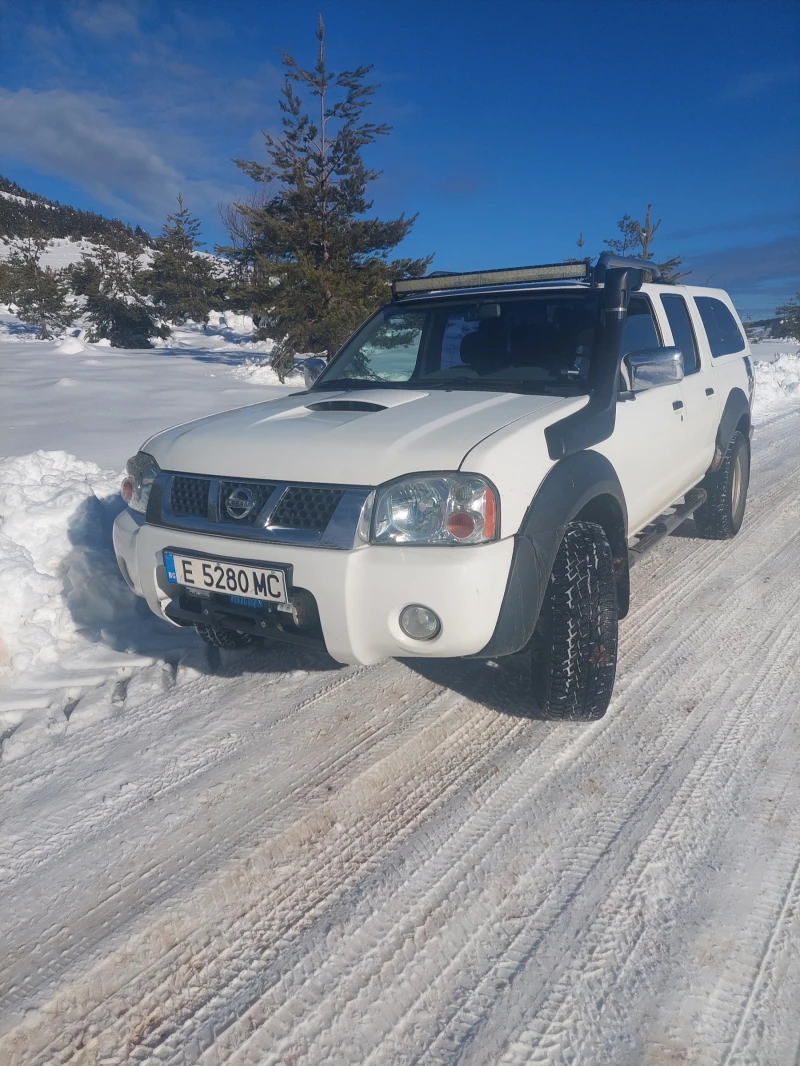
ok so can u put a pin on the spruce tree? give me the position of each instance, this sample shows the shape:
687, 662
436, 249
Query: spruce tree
636, 239
789, 316
113, 280
40, 294
316, 265
182, 283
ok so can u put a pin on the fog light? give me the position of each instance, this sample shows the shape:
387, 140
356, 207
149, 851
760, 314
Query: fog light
420, 623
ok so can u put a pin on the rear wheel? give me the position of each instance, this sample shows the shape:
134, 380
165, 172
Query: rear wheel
575, 645
225, 638
720, 517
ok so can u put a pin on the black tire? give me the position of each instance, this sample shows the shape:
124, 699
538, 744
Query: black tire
575, 645
225, 638
720, 517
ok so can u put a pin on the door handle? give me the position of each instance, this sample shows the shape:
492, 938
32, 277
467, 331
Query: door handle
677, 405
709, 392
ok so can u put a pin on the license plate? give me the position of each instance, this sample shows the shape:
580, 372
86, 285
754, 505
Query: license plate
232, 579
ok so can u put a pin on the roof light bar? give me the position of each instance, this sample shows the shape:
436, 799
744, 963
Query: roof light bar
481, 278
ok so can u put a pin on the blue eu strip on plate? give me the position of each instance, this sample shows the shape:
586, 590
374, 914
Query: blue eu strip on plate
169, 563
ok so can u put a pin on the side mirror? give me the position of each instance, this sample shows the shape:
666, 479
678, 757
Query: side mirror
312, 368
650, 367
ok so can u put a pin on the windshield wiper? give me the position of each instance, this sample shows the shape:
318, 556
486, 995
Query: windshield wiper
344, 384
536, 388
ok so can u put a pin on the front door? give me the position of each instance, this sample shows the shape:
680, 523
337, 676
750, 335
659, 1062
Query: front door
649, 448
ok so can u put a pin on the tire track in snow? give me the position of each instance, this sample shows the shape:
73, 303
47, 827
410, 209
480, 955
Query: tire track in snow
147, 879
633, 920
218, 915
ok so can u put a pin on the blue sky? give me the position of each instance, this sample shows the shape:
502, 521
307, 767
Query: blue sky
516, 126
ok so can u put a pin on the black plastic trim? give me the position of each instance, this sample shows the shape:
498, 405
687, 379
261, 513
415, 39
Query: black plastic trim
736, 408
568, 489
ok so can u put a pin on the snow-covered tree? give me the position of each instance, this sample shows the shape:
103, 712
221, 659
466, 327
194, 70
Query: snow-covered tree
181, 283
317, 266
39, 293
112, 279
789, 316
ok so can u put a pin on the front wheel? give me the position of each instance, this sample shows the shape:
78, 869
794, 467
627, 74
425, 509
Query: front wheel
720, 517
574, 648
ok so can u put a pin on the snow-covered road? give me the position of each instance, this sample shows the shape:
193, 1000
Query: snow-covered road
266, 858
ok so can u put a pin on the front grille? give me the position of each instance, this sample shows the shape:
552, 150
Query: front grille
259, 491
306, 507
189, 496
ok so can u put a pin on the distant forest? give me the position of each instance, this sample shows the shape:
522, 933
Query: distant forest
48, 218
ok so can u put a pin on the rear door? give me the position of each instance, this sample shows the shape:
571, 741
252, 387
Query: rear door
698, 388
649, 449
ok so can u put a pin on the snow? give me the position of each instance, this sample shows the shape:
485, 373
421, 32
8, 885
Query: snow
60, 252
23, 199
263, 857
123, 396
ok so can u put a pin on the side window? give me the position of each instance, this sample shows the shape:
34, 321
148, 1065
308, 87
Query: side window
682, 332
640, 328
724, 336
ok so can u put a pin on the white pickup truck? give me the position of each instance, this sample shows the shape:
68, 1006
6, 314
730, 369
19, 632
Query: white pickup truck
473, 474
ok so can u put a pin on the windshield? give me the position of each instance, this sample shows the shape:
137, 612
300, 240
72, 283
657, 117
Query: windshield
530, 343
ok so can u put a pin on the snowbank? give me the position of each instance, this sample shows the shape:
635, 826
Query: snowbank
41, 496
777, 384
68, 622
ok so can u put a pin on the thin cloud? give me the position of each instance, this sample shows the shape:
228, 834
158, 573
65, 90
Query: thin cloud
759, 82
750, 268
764, 221
105, 19
71, 135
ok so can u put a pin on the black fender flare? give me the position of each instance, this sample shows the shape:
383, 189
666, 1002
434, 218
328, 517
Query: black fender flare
568, 489
737, 407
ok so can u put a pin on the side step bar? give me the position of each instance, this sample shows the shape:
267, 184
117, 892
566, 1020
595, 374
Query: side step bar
664, 525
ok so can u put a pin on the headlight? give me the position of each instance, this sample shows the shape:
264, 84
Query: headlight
435, 509
142, 470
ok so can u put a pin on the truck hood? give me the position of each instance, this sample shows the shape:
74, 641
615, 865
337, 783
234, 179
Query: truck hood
347, 438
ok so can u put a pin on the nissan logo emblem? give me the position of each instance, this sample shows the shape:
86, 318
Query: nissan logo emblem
240, 503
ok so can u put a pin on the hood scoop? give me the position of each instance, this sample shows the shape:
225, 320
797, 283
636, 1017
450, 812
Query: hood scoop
345, 405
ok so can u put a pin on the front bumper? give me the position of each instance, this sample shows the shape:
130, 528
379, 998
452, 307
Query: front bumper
359, 593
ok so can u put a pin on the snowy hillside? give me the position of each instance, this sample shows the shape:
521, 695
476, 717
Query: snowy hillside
264, 857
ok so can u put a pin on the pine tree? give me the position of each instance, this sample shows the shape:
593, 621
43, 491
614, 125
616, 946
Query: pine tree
628, 243
40, 294
113, 281
789, 315
182, 283
636, 240
316, 265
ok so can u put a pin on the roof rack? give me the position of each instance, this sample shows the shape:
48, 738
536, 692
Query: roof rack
582, 271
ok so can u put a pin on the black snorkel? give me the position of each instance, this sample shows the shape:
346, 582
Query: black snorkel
595, 422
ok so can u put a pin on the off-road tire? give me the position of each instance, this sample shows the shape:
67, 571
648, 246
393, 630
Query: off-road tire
225, 638
720, 517
574, 650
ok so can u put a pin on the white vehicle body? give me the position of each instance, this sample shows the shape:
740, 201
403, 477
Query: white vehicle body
664, 441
